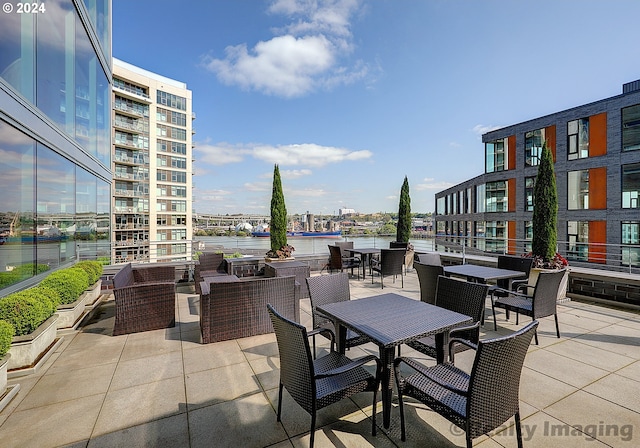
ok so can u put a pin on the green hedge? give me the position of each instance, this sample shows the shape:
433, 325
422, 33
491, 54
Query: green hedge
70, 283
93, 269
6, 335
25, 310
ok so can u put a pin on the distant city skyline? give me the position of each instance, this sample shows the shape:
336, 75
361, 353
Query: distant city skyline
349, 96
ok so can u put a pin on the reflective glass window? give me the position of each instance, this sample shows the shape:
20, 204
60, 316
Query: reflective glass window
533, 141
56, 201
496, 155
578, 139
17, 52
631, 236
17, 226
578, 190
631, 128
529, 183
630, 185
496, 196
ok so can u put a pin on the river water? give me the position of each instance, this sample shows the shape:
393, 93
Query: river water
308, 245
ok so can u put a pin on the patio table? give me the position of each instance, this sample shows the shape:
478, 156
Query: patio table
366, 253
482, 274
390, 320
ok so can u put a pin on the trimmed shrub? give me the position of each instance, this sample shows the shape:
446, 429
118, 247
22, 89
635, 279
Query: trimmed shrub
6, 335
24, 310
93, 269
70, 283
49, 296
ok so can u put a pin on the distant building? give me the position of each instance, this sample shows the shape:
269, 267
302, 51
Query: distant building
346, 212
596, 150
152, 166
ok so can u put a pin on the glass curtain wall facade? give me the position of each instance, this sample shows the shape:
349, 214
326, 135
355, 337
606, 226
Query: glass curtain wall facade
55, 144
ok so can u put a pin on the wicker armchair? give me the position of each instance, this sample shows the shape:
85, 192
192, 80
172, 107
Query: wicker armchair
238, 309
390, 263
430, 258
339, 262
428, 279
327, 380
478, 402
325, 289
145, 299
464, 298
541, 304
515, 264
209, 264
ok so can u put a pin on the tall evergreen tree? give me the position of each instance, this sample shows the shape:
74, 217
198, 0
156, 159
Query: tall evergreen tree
278, 228
545, 208
403, 232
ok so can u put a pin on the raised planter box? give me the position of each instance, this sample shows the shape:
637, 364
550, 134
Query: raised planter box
71, 313
6, 393
30, 350
93, 293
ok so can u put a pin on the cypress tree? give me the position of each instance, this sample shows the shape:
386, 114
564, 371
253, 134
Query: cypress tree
545, 208
278, 226
403, 232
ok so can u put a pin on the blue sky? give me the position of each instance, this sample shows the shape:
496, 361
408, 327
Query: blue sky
349, 96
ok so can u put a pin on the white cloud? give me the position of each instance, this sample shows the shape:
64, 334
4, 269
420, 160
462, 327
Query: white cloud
294, 174
302, 56
308, 154
481, 129
431, 184
221, 153
306, 193
257, 186
213, 195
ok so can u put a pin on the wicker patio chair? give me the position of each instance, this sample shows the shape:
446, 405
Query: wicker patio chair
391, 263
147, 304
515, 264
398, 245
541, 303
344, 244
340, 262
430, 258
209, 264
325, 289
428, 279
462, 297
314, 384
478, 402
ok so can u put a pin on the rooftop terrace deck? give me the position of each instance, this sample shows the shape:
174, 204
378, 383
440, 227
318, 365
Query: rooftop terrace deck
164, 388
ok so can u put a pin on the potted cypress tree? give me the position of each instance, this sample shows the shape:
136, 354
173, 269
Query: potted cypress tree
403, 230
278, 229
545, 221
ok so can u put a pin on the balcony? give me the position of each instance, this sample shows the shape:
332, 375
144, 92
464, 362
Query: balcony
165, 388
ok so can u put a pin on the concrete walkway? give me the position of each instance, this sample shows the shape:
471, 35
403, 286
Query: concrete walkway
165, 389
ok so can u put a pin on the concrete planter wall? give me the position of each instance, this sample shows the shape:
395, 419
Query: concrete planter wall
93, 293
71, 313
27, 349
4, 362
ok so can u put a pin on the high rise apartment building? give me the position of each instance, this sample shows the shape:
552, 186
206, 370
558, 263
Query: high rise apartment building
55, 124
596, 150
152, 166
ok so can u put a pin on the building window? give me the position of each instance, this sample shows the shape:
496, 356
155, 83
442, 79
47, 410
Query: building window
440, 206
480, 198
529, 183
578, 190
454, 203
631, 128
630, 185
631, 236
533, 141
496, 236
170, 100
578, 139
578, 238
496, 196
496, 155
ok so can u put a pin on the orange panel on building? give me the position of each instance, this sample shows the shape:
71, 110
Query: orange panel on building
511, 237
598, 188
597, 240
550, 137
511, 192
511, 154
598, 135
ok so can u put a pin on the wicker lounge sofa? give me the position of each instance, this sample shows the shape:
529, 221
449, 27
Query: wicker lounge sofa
145, 298
209, 264
238, 309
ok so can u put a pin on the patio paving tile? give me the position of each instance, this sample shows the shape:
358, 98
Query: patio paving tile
165, 388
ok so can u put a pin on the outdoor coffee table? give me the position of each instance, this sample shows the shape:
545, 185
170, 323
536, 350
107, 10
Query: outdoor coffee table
300, 270
390, 320
481, 274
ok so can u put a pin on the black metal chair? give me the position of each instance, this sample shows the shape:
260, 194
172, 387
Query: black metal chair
541, 303
428, 279
478, 402
327, 380
513, 263
339, 262
325, 289
462, 297
391, 263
